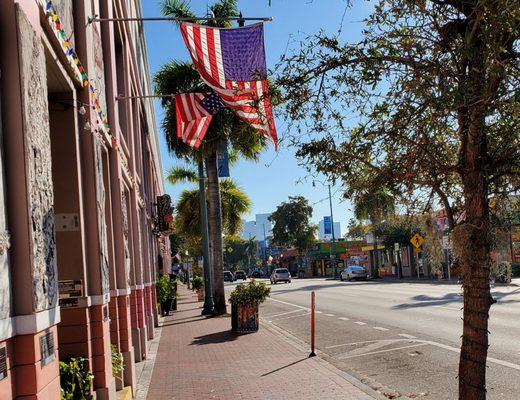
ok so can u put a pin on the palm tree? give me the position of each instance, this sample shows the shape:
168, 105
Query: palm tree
374, 205
235, 203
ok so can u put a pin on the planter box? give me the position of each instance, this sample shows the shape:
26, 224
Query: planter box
244, 319
166, 306
200, 295
169, 305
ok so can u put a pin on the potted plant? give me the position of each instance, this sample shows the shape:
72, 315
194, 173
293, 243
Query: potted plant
244, 300
197, 283
166, 293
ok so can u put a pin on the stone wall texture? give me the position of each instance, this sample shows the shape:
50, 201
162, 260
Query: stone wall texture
124, 218
33, 79
101, 213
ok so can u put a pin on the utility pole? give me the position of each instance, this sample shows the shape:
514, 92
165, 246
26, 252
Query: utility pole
208, 285
332, 253
265, 248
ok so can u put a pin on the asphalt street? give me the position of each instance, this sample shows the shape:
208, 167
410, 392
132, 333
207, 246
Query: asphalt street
400, 338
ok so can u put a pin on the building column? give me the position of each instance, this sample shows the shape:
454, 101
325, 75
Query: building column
29, 198
94, 148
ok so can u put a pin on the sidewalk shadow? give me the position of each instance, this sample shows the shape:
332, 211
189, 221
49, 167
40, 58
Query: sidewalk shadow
452, 298
214, 338
285, 366
183, 321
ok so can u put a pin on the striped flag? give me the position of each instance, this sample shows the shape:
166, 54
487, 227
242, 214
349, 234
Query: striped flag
231, 61
194, 112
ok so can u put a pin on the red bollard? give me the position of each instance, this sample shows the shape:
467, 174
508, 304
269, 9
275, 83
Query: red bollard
313, 323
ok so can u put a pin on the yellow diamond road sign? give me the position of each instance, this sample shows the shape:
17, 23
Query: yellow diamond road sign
417, 240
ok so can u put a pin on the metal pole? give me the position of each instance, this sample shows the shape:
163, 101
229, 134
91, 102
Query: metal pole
313, 323
333, 238
96, 18
265, 249
148, 96
208, 289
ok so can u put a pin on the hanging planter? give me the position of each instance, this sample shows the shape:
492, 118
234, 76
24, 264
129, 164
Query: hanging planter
245, 299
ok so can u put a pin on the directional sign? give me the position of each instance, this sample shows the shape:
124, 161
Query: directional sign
417, 240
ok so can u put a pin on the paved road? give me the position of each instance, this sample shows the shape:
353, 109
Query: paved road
400, 338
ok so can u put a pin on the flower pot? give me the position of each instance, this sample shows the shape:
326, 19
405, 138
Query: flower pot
200, 294
244, 318
166, 306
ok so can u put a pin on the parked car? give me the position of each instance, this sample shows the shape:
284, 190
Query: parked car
228, 276
256, 274
240, 275
280, 275
353, 272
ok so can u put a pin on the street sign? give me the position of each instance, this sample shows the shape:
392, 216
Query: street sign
417, 240
396, 246
327, 225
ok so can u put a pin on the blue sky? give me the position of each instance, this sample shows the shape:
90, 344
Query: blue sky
275, 177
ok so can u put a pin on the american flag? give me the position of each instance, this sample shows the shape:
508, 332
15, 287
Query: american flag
194, 112
231, 61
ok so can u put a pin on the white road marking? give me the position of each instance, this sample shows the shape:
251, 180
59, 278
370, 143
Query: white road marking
329, 315
289, 304
380, 328
360, 323
381, 351
405, 335
440, 345
317, 312
368, 341
293, 316
280, 314
344, 318
450, 308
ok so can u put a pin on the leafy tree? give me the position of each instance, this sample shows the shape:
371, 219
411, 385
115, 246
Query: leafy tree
240, 252
435, 85
292, 226
355, 229
181, 77
375, 205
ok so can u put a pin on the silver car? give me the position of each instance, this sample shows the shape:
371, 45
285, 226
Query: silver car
353, 272
280, 274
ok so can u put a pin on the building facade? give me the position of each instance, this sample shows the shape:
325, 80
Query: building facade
80, 171
259, 228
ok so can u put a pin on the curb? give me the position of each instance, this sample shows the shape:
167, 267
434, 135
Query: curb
304, 347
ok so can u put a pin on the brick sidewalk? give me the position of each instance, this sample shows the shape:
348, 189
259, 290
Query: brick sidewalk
200, 358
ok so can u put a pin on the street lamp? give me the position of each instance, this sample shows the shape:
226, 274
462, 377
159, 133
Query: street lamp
332, 252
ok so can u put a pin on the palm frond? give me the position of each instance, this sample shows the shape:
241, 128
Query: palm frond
177, 8
181, 175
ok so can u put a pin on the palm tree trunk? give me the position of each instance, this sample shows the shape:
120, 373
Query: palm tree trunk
215, 233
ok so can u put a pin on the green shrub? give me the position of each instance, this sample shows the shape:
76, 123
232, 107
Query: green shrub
197, 283
75, 379
252, 293
515, 269
117, 362
502, 272
166, 289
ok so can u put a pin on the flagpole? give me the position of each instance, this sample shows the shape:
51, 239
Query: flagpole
209, 305
96, 18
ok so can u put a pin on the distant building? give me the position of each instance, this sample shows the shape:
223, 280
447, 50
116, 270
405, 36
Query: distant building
258, 228
321, 231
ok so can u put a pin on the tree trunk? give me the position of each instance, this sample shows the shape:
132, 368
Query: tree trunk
215, 233
474, 257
